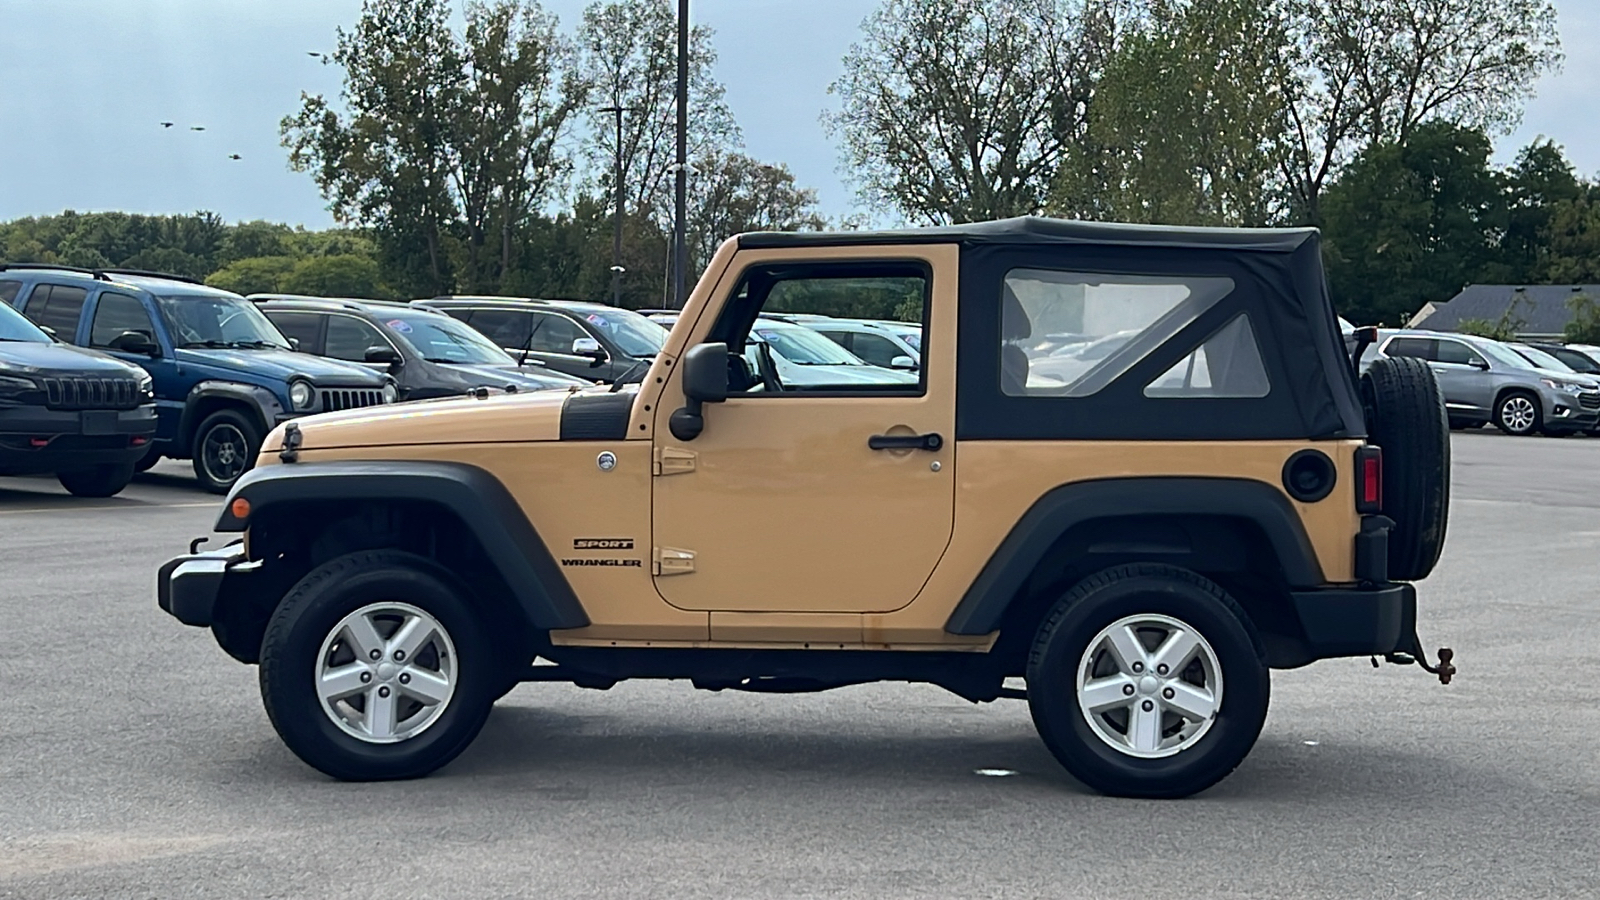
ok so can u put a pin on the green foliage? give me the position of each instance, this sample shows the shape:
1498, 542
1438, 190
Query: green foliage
341, 275
255, 275
1506, 328
1571, 240
1585, 325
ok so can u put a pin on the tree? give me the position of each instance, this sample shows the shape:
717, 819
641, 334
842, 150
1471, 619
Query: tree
446, 140
1538, 183
256, 275
1572, 240
1188, 121
629, 55
335, 276
733, 193
1407, 224
962, 110
1505, 328
1585, 325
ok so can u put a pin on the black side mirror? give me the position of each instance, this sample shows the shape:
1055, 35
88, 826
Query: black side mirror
380, 353
135, 342
705, 380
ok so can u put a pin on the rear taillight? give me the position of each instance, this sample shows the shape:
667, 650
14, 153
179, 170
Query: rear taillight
1369, 480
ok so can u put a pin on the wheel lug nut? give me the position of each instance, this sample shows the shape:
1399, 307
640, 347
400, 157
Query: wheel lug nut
1161, 669
1127, 689
384, 692
1169, 693
1148, 706
366, 677
399, 655
1138, 667
404, 678
376, 654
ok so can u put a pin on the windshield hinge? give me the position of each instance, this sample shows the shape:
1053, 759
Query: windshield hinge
673, 461
669, 561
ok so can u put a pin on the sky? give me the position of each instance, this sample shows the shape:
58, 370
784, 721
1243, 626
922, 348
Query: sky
79, 122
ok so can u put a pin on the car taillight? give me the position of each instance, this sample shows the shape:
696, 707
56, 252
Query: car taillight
1369, 480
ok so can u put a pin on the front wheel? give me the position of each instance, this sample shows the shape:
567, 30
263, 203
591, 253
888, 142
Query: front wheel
97, 481
1518, 413
1147, 681
225, 447
374, 667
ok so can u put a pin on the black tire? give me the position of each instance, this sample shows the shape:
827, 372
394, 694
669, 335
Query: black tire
1508, 423
97, 481
305, 619
225, 447
1140, 590
1406, 417
149, 460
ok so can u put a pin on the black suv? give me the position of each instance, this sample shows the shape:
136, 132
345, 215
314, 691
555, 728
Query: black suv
584, 339
74, 413
429, 353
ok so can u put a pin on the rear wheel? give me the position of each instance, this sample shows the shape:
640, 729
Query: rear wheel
1406, 417
97, 481
375, 667
1148, 681
225, 447
1518, 413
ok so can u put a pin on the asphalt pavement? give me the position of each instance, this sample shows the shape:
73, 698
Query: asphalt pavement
136, 760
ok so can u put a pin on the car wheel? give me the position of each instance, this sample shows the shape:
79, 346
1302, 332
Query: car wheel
97, 481
1148, 681
225, 447
1518, 413
1405, 415
375, 667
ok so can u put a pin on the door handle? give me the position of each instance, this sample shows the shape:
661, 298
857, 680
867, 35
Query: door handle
931, 441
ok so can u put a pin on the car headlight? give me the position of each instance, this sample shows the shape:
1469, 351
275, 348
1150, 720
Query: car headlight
1570, 387
12, 384
147, 387
301, 395
390, 392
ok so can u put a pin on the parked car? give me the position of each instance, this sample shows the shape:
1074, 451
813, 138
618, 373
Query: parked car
1578, 358
908, 332
876, 345
1486, 381
1550, 362
428, 353
81, 416
224, 375
801, 357
588, 340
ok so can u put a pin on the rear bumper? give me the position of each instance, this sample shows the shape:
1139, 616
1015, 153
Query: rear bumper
1357, 622
188, 586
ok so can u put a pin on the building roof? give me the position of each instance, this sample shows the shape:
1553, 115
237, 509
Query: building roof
1542, 308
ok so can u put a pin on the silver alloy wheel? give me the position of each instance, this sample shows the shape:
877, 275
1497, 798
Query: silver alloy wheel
386, 672
1517, 413
225, 453
1149, 685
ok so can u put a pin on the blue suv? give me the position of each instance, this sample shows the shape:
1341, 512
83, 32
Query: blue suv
223, 374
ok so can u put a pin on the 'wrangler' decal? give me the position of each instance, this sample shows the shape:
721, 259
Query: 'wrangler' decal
629, 563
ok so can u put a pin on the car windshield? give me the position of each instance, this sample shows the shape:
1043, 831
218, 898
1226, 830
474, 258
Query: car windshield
442, 339
15, 327
1542, 359
802, 346
1502, 354
636, 335
219, 320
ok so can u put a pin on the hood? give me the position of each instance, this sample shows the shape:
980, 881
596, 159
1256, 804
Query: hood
282, 365
33, 358
497, 419
808, 375
534, 378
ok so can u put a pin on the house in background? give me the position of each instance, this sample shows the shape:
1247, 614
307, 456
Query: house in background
1543, 309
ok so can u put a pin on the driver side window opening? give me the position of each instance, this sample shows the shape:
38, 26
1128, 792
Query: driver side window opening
774, 320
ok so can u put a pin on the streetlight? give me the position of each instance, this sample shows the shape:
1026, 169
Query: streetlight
616, 187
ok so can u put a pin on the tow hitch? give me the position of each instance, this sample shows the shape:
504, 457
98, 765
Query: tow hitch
1445, 670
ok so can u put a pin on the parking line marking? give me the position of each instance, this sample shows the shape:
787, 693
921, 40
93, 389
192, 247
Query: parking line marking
48, 509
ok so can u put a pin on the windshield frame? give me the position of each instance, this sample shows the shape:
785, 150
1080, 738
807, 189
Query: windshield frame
26, 332
464, 336
172, 305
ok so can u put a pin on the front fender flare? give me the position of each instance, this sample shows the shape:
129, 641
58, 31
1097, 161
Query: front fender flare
481, 502
262, 402
984, 605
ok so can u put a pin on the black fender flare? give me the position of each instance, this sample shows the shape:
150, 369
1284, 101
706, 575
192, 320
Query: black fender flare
983, 607
494, 517
262, 402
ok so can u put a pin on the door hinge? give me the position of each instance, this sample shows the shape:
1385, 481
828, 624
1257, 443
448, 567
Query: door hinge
669, 561
673, 461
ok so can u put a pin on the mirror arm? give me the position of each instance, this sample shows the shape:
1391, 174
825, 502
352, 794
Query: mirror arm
687, 423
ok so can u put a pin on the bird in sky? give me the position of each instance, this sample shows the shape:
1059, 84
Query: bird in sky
234, 156
167, 124
197, 128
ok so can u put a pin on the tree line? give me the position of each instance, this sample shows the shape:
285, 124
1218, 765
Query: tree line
477, 154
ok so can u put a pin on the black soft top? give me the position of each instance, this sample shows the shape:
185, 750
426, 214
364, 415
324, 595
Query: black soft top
1280, 284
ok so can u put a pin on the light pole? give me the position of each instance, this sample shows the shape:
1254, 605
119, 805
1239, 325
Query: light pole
680, 245
616, 188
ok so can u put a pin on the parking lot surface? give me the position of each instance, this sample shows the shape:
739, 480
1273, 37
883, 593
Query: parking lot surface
136, 761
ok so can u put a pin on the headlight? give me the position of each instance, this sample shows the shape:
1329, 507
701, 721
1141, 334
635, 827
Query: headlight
1568, 386
11, 384
390, 393
147, 388
301, 395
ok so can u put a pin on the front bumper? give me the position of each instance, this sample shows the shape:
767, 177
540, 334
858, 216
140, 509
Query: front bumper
1371, 621
1571, 412
188, 586
36, 439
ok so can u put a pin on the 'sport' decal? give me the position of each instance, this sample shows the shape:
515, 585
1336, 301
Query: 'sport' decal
602, 544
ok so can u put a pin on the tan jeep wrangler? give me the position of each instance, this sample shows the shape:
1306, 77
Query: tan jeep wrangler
1136, 470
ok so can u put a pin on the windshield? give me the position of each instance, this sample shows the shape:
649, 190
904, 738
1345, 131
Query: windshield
802, 346
442, 339
15, 327
636, 335
1542, 359
1503, 355
219, 320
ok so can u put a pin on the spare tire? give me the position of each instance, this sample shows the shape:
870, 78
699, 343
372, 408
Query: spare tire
1406, 417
